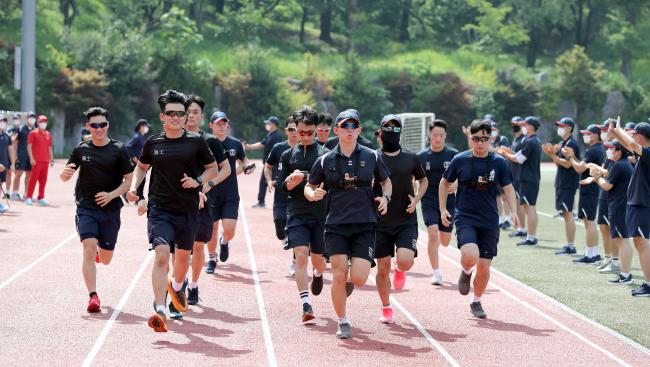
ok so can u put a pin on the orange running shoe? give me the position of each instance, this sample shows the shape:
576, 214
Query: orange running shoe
158, 322
93, 304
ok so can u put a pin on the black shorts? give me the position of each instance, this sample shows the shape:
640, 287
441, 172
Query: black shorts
206, 226
224, 207
387, 238
636, 220
603, 215
354, 240
3, 175
500, 189
486, 239
431, 216
515, 185
280, 212
22, 163
527, 193
174, 229
100, 224
564, 199
306, 232
588, 207
618, 228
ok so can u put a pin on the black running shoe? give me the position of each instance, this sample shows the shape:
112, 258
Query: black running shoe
642, 291
518, 233
316, 285
506, 224
212, 265
584, 260
566, 250
223, 252
477, 310
193, 295
173, 312
285, 244
464, 283
344, 331
349, 287
259, 206
528, 242
307, 312
620, 279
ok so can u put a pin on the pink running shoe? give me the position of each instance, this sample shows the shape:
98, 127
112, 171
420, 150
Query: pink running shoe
399, 278
386, 315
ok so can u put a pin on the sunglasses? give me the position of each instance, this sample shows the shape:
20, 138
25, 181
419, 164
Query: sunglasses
349, 125
306, 133
98, 125
480, 139
175, 113
395, 129
323, 129
291, 129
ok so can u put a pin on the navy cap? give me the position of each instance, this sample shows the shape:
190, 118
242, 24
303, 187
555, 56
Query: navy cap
604, 126
389, 118
16, 115
616, 145
349, 114
272, 119
489, 116
630, 126
591, 129
219, 115
515, 120
566, 121
643, 128
530, 120
31, 114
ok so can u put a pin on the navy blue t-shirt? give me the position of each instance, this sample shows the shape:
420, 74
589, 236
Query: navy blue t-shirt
135, 144
269, 142
434, 165
620, 174
531, 148
515, 168
279, 196
639, 191
568, 178
234, 151
594, 154
476, 207
356, 205
5, 143
23, 133
602, 194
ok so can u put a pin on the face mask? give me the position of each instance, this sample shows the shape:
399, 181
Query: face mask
610, 154
524, 130
16, 122
31, 120
145, 131
390, 141
586, 139
42, 125
604, 137
560, 131
494, 133
3, 125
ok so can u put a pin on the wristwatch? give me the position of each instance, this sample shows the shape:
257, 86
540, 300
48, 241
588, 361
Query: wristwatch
199, 180
210, 183
387, 198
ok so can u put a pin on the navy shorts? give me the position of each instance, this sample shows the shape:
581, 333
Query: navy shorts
224, 207
354, 240
22, 163
205, 228
174, 229
486, 239
618, 227
431, 216
637, 221
387, 238
527, 193
500, 189
3, 175
515, 185
306, 232
100, 224
564, 199
588, 207
603, 215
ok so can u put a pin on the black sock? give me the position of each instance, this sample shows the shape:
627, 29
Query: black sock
91, 294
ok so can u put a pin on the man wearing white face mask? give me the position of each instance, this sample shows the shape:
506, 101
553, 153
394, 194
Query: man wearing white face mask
39, 148
611, 251
588, 203
22, 158
7, 158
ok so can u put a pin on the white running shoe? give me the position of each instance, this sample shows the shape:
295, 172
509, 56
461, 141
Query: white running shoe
436, 279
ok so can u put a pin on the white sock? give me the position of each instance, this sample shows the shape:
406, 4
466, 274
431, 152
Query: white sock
521, 229
531, 237
468, 272
647, 283
476, 299
193, 285
437, 272
386, 306
616, 261
160, 309
222, 242
304, 296
625, 274
570, 245
507, 217
501, 218
343, 320
317, 273
212, 255
176, 286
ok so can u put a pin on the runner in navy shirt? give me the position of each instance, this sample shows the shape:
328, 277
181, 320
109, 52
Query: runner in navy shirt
515, 169
22, 158
7, 158
323, 128
478, 172
273, 137
435, 161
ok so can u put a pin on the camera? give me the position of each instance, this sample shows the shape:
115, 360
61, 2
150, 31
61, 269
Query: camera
481, 182
349, 183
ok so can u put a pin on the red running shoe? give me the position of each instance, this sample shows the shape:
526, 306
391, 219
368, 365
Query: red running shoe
399, 279
93, 304
158, 322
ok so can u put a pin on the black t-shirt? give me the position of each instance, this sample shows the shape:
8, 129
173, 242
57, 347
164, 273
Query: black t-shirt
102, 169
602, 194
475, 207
355, 205
403, 168
5, 143
594, 154
567, 178
23, 133
215, 146
620, 174
435, 164
303, 159
279, 195
171, 160
334, 141
515, 168
234, 151
531, 148
639, 191
269, 141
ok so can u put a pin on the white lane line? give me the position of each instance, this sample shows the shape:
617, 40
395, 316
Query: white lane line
116, 312
270, 352
41, 258
421, 328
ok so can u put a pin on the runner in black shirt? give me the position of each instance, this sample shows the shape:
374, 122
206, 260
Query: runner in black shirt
515, 168
105, 173
22, 158
306, 220
181, 162
323, 128
334, 141
396, 233
273, 137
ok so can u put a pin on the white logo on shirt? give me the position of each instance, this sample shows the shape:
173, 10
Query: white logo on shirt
363, 163
428, 168
446, 164
85, 158
414, 243
158, 152
232, 152
492, 174
280, 166
370, 252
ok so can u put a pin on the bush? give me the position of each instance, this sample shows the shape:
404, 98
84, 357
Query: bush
578, 80
514, 96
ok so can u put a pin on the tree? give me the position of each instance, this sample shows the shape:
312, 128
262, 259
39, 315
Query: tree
69, 11
326, 22
578, 79
404, 21
588, 17
493, 31
626, 30
303, 20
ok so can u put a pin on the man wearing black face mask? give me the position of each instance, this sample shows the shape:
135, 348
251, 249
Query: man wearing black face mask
396, 233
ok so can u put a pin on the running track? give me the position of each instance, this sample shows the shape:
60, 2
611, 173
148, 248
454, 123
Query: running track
250, 310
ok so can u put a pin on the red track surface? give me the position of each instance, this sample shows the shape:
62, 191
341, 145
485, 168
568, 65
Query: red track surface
45, 322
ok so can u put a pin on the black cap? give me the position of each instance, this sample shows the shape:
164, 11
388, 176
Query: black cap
591, 129
566, 121
643, 128
630, 126
140, 123
494, 125
490, 117
616, 145
273, 120
31, 114
516, 119
531, 120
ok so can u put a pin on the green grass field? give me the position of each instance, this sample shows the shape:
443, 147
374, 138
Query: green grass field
578, 286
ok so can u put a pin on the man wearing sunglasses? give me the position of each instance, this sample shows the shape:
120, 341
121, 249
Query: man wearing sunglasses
273, 137
323, 128
334, 141
181, 162
344, 177
476, 217
396, 234
306, 220
105, 173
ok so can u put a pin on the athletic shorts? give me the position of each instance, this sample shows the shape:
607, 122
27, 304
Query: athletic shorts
564, 199
174, 229
206, 226
588, 207
224, 207
306, 232
431, 216
603, 215
637, 219
515, 185
100, 224
22, 163
618, 227
354, 240
387, 238
486, 239
527, 193
3, 175
500, 189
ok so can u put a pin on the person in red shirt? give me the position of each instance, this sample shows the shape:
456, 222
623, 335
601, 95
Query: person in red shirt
39, 148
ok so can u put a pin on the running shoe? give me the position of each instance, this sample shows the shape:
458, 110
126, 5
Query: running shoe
43, 202
642, 291
285, 244
349, 287
386, 315
29, 201
3, 209
464, 283
528, 242
610, 268
316, 285
620, 279
223, 251
158, 322
173, 312
506, 224
307, 312
566, 250
93, 304
193, 296
259, 206
603, 264
292, 267
399, 279
584, 260
97, 260
477, 310
344, 331
178, 297
16, 197
212, 265
436, 279
518, 233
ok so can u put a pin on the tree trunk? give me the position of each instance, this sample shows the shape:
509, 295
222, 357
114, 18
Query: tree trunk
626, 55
578, 21
303, 20
219, 5
533, 47
351, 9
326, 23
404, 21
197, 13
